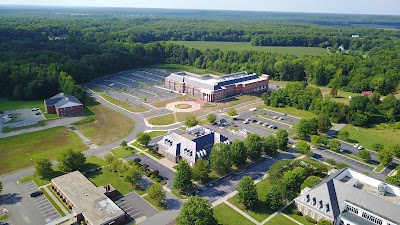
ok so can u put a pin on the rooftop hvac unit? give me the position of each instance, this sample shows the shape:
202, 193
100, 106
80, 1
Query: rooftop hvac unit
382, 189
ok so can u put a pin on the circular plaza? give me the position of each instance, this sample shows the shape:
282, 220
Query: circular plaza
183, 106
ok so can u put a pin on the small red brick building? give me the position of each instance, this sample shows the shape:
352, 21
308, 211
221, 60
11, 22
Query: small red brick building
63, 105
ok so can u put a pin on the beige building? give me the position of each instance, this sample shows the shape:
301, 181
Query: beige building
88, 202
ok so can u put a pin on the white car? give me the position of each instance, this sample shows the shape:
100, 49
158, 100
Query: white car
275, 117
356, 145
259, 122
360, 147
35, 109
280, 118
246, 122
253, 109
341, 149
265, 124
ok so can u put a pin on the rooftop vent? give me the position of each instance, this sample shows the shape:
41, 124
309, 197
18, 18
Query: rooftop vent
382, 189
327, 208
314, 201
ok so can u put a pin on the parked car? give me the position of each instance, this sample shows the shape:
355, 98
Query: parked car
356, 145
342, 149
254, 121
320, 148
275, 117
273, 127
253, 109
360, 147
35, 109
36, 193
265, 124
38, 113
246, 122
259, 122
280, 118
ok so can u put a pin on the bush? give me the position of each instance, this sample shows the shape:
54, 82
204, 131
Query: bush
156, 172
137, 160
331, 161
297, 212
309, 219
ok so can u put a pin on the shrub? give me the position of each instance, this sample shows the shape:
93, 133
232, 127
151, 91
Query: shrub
297, 212
309, 219
137, 160
156, 172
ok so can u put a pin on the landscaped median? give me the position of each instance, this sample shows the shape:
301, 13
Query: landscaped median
124, 105
165, 119
46, 191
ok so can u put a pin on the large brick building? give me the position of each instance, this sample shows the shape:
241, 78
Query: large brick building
348, 197
191, 145
88, 202
63, 105
213, 88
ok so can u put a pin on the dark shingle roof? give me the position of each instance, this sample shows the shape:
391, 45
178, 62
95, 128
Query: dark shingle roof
63, 100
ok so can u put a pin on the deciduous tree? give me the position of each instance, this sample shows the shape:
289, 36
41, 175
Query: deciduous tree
323, 123
238, 152
247, 192
343, 135
200, 170
310, 182
43, 168
143, 138
334, 145
183, 176
275, 197
282, 138
157, 193
253, 144
71, 160
303, 147
191, 121
385, 156
364, 154
270, 145
232, 112
220, 158
196, 211
211, 118
133, 175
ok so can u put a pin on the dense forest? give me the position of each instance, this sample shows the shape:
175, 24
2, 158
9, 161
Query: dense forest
38, 45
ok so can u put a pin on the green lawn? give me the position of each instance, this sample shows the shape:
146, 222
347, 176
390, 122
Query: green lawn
157, 133
124, 105
21, 151
166, 119
179, 195
300, 218
121, 152
228, 216
293, 112
242, 46
139, 146
369, 136
154, 203
7, 104
91, 163
279, 219
105, 176
261, 212
342, 96
51, 200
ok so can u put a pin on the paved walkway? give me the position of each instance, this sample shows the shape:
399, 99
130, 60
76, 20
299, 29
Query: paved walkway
85, 140
194, 106
50, 124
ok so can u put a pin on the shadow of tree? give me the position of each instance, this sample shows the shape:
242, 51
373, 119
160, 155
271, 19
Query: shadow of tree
10, 199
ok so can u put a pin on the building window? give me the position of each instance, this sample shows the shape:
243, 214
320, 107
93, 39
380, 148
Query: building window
371, 218
352, 209
312, 214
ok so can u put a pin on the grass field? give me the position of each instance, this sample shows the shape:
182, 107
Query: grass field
279, 219
105, 176
384, 134
154, 203
228, 216
121, 152
108, 127
19, 152
342, 96
242, 46
157, 133
289, 211
163, 120
124, 105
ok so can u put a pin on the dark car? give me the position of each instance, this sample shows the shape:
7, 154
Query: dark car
254, 121
36, 193
38, 113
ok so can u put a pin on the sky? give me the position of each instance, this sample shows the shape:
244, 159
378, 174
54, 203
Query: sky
385, 7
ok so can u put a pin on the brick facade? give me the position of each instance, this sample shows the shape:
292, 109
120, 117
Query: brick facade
70, 111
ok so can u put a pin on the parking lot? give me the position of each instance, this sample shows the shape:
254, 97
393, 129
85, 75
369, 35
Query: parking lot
135, 207
41, 203
140, 85
22, 118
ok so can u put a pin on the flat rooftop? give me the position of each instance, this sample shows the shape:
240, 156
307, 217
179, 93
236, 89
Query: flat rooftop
88, 199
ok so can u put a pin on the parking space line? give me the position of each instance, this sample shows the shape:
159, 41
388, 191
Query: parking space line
129, 208
46, 208
39, 202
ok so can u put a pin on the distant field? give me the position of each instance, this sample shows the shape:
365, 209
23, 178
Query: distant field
177, 67
21, 151
241, 46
